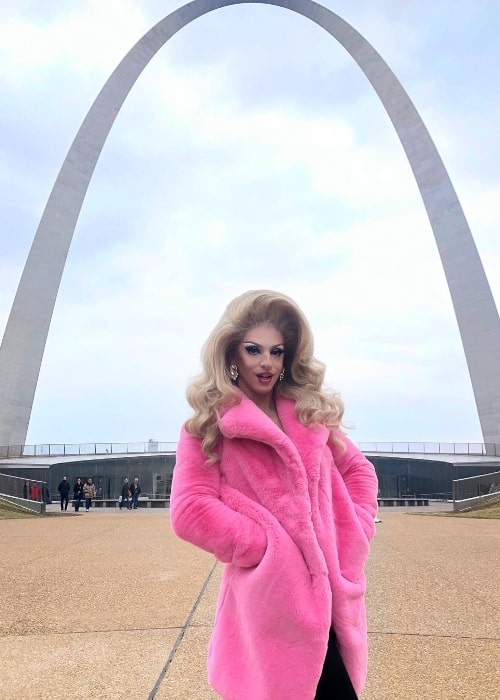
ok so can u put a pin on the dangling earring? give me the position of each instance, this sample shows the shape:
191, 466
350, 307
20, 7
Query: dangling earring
233, 373
282, 374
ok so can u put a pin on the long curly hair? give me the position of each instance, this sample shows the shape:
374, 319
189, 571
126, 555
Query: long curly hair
212, 390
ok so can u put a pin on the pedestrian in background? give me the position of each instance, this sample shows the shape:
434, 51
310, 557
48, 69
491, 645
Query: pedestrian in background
89, 493
125, 495
78, 494
46, 494
63, 489
135, 490
35, 492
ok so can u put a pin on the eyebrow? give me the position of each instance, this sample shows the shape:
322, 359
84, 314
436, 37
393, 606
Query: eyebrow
258, 345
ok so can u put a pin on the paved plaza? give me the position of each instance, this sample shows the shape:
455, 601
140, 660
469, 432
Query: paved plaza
109, 604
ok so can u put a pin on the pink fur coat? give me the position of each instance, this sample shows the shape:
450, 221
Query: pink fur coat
290, 513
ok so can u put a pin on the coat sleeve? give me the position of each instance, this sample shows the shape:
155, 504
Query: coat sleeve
198, 516
360, 479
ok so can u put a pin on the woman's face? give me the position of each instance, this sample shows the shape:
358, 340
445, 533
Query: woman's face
259, 358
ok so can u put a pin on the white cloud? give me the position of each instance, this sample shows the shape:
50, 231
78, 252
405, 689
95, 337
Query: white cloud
200, 194
94, 35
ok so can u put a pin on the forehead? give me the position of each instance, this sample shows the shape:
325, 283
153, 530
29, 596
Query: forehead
267, 336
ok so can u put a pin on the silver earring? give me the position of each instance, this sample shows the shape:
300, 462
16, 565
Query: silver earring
282, 374
233, 373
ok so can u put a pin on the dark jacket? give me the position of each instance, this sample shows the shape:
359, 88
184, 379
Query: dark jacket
78, 491
135, 489
63, 488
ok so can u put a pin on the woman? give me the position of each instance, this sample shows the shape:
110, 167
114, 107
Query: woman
125, 495
267, 482
89, 491
78, 494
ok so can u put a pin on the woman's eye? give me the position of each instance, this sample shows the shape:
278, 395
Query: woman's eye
252, 349
277, 352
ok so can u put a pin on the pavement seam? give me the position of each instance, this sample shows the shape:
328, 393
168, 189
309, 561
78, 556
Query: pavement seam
60, 633
180, 637
436, 636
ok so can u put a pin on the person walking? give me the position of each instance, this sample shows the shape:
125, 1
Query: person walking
35, 491
125, 495
46, 494
63, 489
78, 494
135, 490
89, 493
266, 480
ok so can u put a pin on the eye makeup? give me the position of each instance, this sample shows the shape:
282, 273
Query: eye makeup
255, 348
251, 348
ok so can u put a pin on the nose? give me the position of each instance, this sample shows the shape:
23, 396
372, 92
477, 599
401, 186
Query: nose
266, 360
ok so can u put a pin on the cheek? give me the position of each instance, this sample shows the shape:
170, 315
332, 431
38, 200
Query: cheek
243, 360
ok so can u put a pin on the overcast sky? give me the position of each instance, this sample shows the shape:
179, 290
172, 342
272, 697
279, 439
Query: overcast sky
252, 152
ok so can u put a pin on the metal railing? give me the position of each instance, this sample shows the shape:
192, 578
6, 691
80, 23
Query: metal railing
476, 486
490, 449
31, 494
88, 448
150, 446
473, 490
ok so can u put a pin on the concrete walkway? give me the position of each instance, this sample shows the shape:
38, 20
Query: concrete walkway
434, 609
109, 604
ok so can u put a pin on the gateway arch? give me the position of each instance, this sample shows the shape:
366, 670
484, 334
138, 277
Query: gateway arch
27, 328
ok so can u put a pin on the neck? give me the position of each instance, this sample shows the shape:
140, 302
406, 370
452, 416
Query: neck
266, 404
269, 408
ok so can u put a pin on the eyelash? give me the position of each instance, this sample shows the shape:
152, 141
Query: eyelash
254, 350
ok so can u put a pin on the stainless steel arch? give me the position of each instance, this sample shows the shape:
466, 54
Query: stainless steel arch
26, 332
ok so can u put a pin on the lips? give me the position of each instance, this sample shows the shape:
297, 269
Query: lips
265, 377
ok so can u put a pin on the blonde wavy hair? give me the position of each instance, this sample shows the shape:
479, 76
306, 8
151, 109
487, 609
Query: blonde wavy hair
212, 390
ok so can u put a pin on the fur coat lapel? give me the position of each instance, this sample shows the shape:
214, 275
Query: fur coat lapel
297, 445
279, 469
